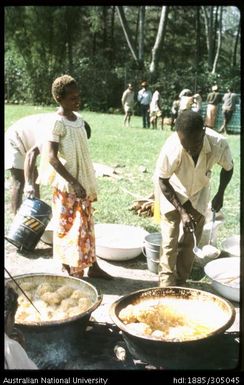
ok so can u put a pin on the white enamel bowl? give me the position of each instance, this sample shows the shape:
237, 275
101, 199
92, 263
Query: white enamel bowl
225, 276
118, 242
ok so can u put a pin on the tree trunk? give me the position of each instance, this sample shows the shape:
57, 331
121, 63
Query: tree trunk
219, 41
197, 50
208, 19
159, 39
236, 45
141, 34
105, 24
127, 32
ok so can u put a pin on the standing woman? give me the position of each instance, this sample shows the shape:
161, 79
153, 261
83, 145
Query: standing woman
73, 182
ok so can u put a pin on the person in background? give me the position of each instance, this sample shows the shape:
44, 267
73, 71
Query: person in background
197, 102
182, 186
174, 111
15, 357
186, 100
128, 102
155, 108
66, 165
144, 98
213, 99
228, 107
19, 139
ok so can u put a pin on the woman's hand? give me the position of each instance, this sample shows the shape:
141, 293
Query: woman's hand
79, 190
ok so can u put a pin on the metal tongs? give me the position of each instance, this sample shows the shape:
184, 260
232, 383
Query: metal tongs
20, 288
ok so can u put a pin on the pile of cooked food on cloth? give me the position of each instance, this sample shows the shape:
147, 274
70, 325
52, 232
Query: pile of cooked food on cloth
54, 302
172, 319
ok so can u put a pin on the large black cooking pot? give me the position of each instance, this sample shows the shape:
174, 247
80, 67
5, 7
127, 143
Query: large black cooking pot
171, 354
53, 343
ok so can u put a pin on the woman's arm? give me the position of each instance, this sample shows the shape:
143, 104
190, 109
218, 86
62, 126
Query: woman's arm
59, 167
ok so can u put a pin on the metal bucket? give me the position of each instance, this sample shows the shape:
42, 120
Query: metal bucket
29, 224
151, 250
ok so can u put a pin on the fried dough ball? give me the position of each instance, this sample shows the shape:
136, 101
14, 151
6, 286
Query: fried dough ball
158, 334
65, 291
44, 287
67, 303
51, 298
21, 315
33, 317
140, 328
77, 294
72, 311
23, 301
59, 315
84, 303
127, 315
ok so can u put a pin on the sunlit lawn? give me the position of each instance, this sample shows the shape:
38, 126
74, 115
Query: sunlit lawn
129, 148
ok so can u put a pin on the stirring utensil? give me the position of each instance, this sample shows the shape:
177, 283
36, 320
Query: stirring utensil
16, 283
212, 227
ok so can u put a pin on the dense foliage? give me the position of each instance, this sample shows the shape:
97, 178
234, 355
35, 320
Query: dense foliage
199, 46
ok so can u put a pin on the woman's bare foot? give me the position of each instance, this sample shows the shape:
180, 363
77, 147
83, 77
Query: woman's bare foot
73, 271
95, 271
65, 268
76, 272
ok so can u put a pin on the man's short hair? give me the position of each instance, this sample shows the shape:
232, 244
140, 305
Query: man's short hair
189, 121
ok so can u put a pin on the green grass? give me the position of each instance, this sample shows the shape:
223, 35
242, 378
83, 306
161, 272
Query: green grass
115, 145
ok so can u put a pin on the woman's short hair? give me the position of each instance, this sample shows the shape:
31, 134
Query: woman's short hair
60, 85
10, 301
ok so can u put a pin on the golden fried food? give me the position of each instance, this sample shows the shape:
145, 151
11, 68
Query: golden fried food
44, 287
139, 328
51, 298
77, 294
173, 320
67, 303
127, 315
84, 303
65, 291
73, 311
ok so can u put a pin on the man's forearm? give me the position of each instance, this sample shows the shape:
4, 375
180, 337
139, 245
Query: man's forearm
225, 177
170, 194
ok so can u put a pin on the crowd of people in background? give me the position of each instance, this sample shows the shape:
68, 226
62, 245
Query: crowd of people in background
152, 112
181, 182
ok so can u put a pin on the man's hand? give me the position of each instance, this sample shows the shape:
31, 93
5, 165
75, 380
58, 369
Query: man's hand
187, 221
29, 190
217, 202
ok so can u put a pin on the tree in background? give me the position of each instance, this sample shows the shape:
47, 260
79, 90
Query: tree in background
106, 47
